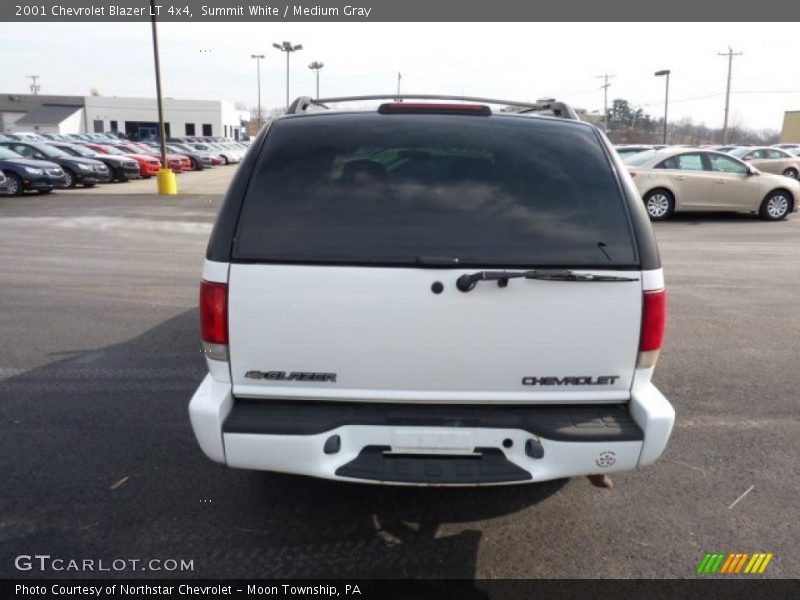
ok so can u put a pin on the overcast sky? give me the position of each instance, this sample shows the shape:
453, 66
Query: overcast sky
521, 61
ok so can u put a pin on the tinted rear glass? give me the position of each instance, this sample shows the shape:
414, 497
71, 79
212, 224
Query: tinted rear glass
388, 189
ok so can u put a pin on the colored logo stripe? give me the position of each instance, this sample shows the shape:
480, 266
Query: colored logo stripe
720, 562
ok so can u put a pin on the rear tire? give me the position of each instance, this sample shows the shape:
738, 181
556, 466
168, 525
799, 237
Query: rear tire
776, 206
14, 185
790, 173
660, 204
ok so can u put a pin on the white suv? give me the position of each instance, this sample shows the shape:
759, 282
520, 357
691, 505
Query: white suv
432, 294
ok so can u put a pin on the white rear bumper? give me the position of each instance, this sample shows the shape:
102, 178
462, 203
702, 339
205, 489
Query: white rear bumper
304, 454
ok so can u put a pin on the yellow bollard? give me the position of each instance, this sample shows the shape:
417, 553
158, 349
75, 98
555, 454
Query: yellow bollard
167, 185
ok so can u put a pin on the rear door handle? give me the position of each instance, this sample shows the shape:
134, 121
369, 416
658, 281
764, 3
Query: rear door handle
680, 177
720, 181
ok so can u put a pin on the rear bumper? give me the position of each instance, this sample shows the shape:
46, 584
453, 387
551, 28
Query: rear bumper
429, 444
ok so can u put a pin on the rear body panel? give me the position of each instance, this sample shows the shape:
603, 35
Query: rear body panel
387, 337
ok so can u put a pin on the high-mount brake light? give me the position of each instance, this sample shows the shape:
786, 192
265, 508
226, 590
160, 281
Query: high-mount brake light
214, 319
434, 108
654, 323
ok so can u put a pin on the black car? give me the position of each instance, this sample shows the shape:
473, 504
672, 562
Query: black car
120, 167
24, 174
77, 170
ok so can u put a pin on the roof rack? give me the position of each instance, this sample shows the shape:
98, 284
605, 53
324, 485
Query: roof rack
549, 106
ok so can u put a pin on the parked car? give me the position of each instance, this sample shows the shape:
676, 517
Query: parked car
788, 147
681, 179
22, 136
121, 168
188, 149
24, 174
628, 149
725, 149
771, 160
77, 170
411, 295
228, 156
148, 166
177, 163
198, 160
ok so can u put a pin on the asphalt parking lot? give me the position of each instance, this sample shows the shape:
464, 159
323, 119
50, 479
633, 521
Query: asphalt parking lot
101, 355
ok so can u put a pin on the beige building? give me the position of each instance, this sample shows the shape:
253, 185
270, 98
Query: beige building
791, 127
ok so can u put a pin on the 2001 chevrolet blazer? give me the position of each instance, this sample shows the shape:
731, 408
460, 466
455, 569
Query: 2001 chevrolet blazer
432, 293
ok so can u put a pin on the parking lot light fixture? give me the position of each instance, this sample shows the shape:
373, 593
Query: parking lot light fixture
665, 73
259, 58
288, 48
316, 66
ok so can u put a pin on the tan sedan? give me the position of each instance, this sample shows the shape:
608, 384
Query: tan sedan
686, 179
771, 160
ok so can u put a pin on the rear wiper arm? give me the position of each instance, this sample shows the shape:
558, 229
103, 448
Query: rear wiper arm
567, 275
467, 282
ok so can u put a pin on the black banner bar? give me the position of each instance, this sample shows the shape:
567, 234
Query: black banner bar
685, 589
396, 11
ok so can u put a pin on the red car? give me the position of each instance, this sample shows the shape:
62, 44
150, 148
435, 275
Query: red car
177, 162
148, 166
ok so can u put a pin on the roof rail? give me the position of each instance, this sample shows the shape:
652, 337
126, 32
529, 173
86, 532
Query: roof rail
547, 106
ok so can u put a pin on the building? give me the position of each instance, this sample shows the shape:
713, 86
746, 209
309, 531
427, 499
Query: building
136, 117
791, 127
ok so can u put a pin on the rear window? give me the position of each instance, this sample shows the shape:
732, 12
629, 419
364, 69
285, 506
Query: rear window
397, 189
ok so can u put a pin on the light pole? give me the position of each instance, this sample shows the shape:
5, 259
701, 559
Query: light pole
165, 178
288, 48
259, 58
665, 73
316, 66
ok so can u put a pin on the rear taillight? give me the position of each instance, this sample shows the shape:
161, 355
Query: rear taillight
654, 322
214, 319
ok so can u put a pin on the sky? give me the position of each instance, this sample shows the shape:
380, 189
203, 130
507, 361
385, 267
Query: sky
519, 61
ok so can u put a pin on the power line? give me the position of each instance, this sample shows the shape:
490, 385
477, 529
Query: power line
730, 54
715, 94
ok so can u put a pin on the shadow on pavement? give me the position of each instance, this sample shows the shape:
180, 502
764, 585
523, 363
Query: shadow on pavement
698, 218
99, 461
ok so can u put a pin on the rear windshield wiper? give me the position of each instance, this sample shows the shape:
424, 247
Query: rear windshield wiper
467, 282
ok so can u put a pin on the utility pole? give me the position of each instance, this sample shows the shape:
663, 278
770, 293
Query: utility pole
605, 77
730, 54
35, 87
399, 77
